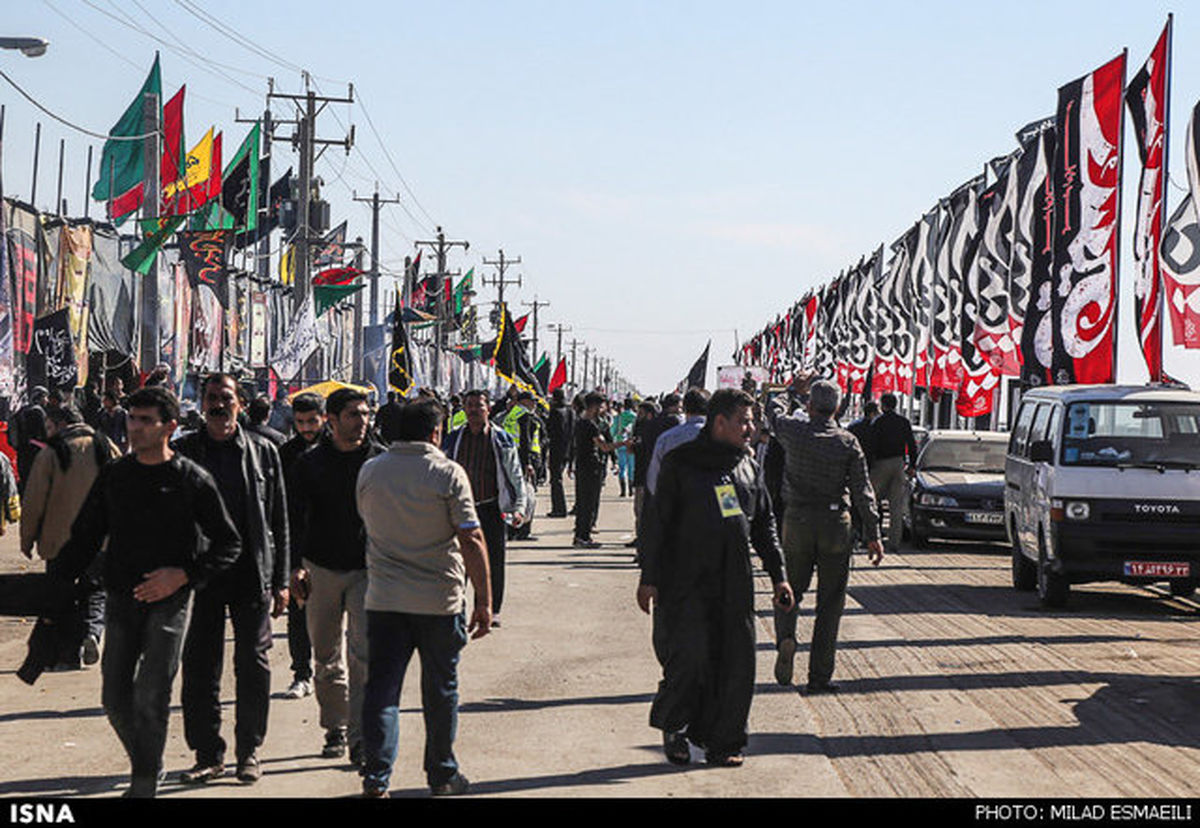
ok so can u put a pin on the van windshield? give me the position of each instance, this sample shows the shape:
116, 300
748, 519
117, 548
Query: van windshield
1116, 434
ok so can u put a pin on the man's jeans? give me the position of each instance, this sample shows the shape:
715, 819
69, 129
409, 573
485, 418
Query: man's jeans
820, 540
86, 616
392, 637
203, 659
141, 656
495, 532
339, 648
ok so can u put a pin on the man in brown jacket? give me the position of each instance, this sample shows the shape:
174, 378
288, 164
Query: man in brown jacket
59, 481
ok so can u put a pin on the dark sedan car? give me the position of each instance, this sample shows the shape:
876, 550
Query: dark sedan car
958, 490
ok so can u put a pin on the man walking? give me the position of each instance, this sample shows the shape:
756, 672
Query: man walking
168, 533
59, 482
523, 424
498, 487
824, 472
560, 425
422, 535
709, 510
330, 544
695, 404
27, 432
894, 456
589, 469
255, 589
309, 422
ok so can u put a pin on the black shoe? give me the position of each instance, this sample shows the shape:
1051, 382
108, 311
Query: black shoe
585, 543
202, 772
357, 755
335, 744
820, 688
248, 770
456, 785
556, 515
675, 746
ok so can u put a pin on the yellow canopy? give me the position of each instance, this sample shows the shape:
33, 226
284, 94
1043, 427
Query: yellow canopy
329, 386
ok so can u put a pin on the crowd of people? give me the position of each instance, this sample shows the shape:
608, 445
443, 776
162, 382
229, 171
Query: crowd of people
374, 529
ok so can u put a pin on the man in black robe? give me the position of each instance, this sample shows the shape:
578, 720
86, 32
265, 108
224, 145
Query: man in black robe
709, 509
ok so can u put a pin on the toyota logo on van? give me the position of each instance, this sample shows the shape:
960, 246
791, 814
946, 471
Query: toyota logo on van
1156, 509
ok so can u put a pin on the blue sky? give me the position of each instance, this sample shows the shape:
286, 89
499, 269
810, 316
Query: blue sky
668, 171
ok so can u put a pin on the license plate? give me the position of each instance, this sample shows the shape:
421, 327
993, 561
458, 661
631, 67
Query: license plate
984, 517
1158, 569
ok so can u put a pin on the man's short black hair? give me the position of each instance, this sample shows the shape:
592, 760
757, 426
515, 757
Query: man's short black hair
415, 421
112, 395
670, 400
695, 401
341, 398
220, 377
888, 401
477, 392
593, 398
155, 396
307, 403
726, 402
870, 407
259, 410
64, 415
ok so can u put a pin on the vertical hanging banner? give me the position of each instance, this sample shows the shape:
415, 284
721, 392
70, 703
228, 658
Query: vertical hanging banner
258, 329
1036, 224
1180, 257
332, 248
991, 333
302, 340
205, 255
182, 316
863, 321
883, 373
1087, 201
207, 326
51, 361
923, 278
903, 308
1031, 173
1146, 98
75, 262
22, 227
978, 379
811, 332
960, 227
110, 297
8, 377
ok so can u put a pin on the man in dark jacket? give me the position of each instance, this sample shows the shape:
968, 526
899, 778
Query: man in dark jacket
893, 455
309, 422
560, 427
250, 477
27, 432
257, 414
153, 506
330, 547
709, 509
642, 453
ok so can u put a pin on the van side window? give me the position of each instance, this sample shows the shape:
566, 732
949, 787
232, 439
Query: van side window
1016, 443
1052, 425
1038, 430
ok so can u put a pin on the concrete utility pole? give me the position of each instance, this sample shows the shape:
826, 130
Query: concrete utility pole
152, 152
559, 329
358, 372
535, 304
586, 366
439, 246
502, 264
574, 344
263, 256
375, 201
305, 140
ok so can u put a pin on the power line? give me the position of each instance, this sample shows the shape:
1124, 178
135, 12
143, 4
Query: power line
391, 161
73, 126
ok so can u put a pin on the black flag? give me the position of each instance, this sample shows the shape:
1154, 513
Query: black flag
235, 192
51, 360
508, 355
205, 257
695, 377
400, 364
332, 248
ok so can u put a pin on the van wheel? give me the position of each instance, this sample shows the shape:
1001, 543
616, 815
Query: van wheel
1183, 587
1024, 572
1052, 587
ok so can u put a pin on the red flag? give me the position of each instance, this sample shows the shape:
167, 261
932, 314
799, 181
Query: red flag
337, 276
214, 177
519, 324
559, 379
1146, 98
173, 154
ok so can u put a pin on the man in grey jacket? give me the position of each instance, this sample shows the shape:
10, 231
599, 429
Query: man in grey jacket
498, 487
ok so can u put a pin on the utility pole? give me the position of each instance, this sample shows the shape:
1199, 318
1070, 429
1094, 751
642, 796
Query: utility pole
358, 372
263, 256
499, 281
586, 367
559, 329
574, 343
375, 201
305, 140
439, 246
151, 115
535, 304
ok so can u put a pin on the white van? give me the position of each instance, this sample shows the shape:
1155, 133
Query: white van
1102, 483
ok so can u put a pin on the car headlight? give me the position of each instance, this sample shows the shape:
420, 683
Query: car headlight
930, 499
1077, 510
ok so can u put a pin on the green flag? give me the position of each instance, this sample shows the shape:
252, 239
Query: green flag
326, 296
239, 185
155, 236
461, 289
122, 163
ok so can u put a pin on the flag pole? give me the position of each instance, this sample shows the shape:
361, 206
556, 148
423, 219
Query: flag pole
1166, 180
1116, 317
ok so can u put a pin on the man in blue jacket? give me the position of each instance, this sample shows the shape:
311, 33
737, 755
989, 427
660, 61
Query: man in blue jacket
489, 456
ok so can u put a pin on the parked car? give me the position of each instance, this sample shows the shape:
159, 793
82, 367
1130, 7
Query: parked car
1102, 483
958, 488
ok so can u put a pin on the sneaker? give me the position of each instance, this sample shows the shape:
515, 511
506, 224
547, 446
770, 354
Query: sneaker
298, 689
456, 785
248, 770
784, 661
89, 653
583, 543
495, 621
335, 744
202, 772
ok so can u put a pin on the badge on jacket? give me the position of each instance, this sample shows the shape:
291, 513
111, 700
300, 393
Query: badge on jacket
727, 500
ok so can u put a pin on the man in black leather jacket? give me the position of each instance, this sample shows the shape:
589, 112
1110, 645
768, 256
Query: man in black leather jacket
249, 475
709, 509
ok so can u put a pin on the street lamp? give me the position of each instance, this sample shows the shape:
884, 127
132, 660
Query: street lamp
28, 46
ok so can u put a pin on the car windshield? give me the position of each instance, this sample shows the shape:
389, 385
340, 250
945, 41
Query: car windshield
963, 454
1117, 434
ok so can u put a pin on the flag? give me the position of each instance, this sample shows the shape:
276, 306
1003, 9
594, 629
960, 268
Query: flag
1180, 257
400, 377
277, 193
519, 324
239, 185
1037, 146
122, 162
189, 189
1036, 229
699, 372
923, 278
110, 297
863, 321
1146, 98
1087, 198
204, 254
464, 286
508, 357
978, 378
542, 371
991, 333
328, 295
332, 248
303, 337
174, 158
955, 250
51, 359
287, 266
559, 378
156, 234
337, 276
